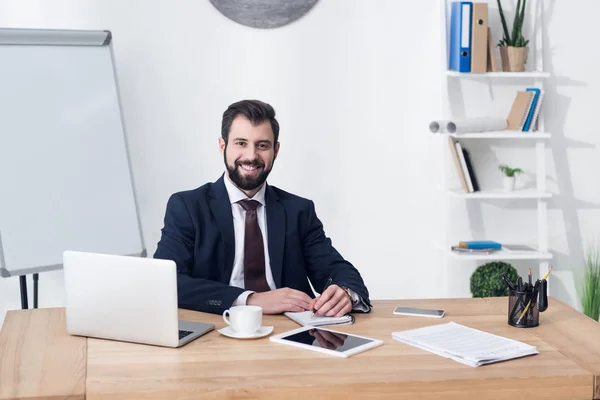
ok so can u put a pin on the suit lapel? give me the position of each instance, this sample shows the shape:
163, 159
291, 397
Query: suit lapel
276, 233
220, 207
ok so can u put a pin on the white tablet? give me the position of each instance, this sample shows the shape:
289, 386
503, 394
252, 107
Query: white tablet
326, 341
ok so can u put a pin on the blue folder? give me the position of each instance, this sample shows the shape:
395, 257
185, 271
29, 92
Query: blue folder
536, 95
460, 36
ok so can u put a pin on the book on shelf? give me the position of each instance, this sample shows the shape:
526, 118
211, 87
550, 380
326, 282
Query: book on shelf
525, 109
464, 166
479, 244
462, 250
490, 247
518, 248
477, 247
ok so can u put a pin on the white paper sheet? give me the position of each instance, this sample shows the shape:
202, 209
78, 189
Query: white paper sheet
463, 344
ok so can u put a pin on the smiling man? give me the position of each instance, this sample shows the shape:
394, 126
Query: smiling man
241, 241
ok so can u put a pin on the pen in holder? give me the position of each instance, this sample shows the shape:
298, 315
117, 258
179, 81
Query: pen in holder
524, 306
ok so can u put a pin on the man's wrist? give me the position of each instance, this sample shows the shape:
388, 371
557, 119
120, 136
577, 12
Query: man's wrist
351, 295
243, 298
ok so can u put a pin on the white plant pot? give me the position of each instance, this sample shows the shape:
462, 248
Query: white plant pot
509, 183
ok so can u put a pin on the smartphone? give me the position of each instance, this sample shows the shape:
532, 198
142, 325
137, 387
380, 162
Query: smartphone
419, 312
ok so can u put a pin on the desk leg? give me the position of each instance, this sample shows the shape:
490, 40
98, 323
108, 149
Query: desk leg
35, 290
23, 280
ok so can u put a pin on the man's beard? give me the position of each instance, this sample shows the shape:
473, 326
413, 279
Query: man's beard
246, 182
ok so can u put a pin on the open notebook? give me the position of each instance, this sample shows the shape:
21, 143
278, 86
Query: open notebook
465, 345
303, 318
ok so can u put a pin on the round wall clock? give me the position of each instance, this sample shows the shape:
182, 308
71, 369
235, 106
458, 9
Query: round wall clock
264, 14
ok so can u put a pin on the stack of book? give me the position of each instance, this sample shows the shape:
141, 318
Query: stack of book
524, 112
477, 247
464, 166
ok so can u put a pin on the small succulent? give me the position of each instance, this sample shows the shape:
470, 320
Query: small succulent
508, 171
516, 39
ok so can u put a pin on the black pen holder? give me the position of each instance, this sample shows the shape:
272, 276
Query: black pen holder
523, 311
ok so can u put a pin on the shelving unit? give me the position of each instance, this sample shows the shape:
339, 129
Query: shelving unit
517, 135
490, 75
501, 194
539, 194
503, 255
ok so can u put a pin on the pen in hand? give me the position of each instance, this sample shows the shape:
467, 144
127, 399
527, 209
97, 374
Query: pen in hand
324, 289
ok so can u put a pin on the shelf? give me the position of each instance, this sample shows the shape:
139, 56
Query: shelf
503, 255
501, 194
512, 75
502, 135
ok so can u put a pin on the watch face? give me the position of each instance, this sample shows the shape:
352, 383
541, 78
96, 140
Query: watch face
263, 13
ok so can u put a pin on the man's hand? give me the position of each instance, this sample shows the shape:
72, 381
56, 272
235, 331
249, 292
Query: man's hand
328, 340
333, 302
280, 300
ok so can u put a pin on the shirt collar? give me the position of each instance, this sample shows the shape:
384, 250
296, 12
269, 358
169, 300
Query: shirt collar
235, 194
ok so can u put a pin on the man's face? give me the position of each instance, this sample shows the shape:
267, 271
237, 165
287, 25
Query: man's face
250, 153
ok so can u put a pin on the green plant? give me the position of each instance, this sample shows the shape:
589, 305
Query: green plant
589, 283
510, 172
486, 280
516, 39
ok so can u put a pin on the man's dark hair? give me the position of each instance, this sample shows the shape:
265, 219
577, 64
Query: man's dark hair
255, 110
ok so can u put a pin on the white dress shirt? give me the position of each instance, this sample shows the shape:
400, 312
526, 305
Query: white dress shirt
239, 229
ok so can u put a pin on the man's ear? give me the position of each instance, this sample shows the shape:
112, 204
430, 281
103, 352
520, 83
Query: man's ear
276, 150
222, 145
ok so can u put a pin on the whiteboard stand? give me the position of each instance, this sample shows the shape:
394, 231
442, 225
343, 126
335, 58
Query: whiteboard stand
64, 163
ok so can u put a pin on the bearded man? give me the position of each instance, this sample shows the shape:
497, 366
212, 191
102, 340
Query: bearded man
241, 241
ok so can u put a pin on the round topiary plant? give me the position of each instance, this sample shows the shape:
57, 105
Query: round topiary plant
486, 281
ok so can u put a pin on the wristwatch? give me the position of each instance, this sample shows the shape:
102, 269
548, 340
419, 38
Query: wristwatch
349, 293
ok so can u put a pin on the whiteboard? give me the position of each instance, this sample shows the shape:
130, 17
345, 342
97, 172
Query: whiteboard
65, 177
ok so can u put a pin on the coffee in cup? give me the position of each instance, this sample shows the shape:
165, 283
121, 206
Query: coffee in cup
244, 320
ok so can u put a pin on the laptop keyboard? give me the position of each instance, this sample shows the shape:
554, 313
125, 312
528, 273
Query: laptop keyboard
183, 333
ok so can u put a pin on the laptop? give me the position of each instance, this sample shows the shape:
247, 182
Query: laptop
129, 299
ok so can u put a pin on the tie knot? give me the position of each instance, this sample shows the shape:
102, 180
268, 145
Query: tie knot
249, 204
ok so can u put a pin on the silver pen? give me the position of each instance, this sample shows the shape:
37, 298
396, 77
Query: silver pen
326, 286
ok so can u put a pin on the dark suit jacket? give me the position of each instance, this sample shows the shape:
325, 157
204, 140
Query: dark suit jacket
198, 235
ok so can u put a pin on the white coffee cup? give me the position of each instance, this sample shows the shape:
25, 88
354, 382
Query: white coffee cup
244, 319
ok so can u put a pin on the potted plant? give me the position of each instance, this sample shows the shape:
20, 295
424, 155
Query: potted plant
588, 286
509, 176
487, 281
513, 47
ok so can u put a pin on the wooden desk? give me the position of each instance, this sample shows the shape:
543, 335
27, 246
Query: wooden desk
38, 359
215, 366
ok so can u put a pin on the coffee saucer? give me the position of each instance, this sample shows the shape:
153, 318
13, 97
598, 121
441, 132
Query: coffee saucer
261, 332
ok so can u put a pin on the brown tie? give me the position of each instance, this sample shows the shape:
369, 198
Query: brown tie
254, 251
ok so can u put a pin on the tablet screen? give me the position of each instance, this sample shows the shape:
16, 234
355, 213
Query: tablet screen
328, 340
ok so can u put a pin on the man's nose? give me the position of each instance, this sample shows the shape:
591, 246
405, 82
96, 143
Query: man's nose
250, 153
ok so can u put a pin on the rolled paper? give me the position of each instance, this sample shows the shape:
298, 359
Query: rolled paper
439, 126
484, 124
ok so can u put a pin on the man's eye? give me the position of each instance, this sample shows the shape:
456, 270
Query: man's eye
240, 143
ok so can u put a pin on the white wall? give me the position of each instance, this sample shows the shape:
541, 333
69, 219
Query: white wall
354, 100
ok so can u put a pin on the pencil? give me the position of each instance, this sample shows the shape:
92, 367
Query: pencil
524, 311
547, 273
